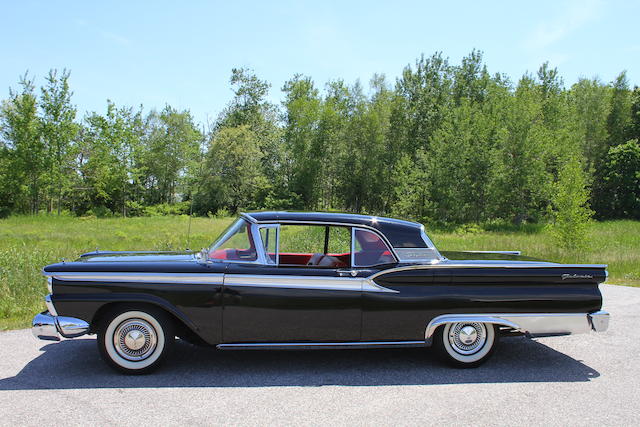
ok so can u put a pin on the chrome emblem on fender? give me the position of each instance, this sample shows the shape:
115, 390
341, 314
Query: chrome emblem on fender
576, 276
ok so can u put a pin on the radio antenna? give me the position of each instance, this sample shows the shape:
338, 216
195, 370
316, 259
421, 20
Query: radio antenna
201, 150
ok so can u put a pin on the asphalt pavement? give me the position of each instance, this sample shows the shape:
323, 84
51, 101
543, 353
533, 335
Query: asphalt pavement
575, 380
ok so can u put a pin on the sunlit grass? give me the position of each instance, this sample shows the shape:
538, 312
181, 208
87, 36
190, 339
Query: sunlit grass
29, 243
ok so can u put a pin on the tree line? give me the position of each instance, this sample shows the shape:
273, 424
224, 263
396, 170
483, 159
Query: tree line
445, 143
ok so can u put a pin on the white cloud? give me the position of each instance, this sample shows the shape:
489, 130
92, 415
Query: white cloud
576, 15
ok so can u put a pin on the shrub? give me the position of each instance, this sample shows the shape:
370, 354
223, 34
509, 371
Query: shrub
570, 211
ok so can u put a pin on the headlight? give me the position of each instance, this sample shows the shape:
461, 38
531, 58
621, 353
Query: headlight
50, 284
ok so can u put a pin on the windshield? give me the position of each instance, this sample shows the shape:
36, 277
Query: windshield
235, 243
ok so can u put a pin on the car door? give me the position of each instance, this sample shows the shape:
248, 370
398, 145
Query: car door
302, 292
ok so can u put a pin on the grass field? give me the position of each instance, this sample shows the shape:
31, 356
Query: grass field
29, 243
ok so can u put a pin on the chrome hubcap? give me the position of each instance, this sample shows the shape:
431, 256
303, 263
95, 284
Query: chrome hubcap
135, 339
468, 335
467, 338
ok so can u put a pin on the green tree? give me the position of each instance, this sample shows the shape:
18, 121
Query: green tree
58, 131
29, 158
169, 154
592, 104
232, 176
634, 126
620, 112
301, 117
426, 94
620, 182
250, 107
108, 160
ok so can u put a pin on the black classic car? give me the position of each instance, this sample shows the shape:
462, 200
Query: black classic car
287, 280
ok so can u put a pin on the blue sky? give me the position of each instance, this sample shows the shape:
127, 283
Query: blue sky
181, 53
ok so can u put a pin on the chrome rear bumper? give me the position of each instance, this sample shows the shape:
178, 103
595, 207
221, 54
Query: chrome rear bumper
46, 326
599, 321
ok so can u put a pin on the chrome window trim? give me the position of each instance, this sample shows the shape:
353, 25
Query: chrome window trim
263, 249
337, 224
134, 277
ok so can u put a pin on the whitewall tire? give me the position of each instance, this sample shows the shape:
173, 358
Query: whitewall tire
135, 340
465, 344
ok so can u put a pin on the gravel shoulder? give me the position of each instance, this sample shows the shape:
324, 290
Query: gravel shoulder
575, 380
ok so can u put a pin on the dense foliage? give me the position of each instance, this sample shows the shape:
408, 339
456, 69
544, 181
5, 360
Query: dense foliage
445, 143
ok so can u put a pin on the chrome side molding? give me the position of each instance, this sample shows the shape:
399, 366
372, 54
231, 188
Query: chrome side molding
138, 277
321, 345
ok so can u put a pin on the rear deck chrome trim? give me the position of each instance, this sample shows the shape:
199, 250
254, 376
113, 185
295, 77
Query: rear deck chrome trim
322, 345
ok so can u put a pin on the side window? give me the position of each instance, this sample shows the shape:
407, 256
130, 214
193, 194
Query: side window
314, 246
370, 249
236, 244
269, 236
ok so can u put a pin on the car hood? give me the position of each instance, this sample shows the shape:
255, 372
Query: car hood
138, 256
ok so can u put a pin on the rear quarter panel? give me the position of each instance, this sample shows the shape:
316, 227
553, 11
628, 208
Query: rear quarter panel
425, 293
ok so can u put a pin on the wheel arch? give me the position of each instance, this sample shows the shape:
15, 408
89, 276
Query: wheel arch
442, 320
180, 320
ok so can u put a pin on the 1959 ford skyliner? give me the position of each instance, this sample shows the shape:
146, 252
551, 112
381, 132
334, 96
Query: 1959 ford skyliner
285, 280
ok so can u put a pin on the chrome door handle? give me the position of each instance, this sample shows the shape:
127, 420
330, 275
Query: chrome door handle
352, 273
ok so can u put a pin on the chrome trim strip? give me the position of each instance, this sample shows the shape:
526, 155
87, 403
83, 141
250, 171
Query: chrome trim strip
133, 277
515, 265
539, 324
50, 306
248, 217
357, 284
428, 255
321, 345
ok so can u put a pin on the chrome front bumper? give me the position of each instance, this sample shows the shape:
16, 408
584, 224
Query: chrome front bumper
46, 326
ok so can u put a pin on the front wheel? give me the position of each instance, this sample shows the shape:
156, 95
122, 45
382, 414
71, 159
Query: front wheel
465, 344
135, 340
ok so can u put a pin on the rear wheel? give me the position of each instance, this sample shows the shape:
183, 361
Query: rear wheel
465, 344
135, 340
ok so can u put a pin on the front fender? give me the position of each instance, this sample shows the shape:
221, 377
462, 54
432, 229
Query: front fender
87, 306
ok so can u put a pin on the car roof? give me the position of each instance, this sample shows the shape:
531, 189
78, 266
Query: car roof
400, 233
